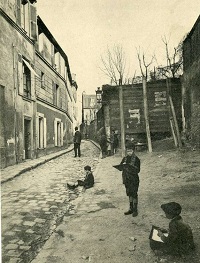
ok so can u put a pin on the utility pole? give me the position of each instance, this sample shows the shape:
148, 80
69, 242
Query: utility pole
121, 108
178, 138
146, 113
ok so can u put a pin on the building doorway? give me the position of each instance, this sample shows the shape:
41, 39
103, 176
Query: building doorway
27, 138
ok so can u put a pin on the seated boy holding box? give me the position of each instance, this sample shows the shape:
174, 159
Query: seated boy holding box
179, 239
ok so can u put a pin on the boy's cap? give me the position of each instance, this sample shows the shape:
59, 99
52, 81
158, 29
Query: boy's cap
87, 167
130, 145
171, 208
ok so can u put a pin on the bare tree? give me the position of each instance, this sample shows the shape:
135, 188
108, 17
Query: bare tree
114, 64
144, 72
174, 61
143, 64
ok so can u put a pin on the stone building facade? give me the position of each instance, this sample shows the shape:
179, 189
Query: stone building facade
89, 110
191, 85
37, 92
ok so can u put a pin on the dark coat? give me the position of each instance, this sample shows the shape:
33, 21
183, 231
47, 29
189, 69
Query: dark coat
115, 141
77, 137
180, 238
88, 181
130, 178
103, 143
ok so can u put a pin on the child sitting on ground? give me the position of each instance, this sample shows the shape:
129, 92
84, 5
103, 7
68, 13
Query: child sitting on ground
88, 181
179, 239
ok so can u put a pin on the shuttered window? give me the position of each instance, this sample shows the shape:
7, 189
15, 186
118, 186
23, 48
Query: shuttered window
33, 22
41, 131
18, 12
58, 132
56, 94
26, 81
26, 17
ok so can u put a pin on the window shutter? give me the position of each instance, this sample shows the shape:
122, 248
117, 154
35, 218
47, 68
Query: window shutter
20, 75
52, 55
60, 99
33, 97
45, 132
41, 42
33, 21
18, 12
61, 134
37, 131
55, 133
26, 18
57, 61
53, 92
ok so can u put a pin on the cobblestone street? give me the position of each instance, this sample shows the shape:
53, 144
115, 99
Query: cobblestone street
36, 201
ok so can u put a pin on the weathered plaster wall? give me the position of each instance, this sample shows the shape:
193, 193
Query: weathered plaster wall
12, 43
50, 114
9, 7
45, 90
192, 103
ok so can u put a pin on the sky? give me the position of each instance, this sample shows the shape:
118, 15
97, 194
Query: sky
85, 29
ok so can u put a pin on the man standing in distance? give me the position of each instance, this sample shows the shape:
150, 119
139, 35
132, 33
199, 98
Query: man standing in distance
77, 142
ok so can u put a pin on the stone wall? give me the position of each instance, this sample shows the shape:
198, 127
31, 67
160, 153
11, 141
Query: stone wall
192, 104
191, 85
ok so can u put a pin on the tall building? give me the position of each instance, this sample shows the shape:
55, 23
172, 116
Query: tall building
89, 110
37, 91
89, 107
191, 85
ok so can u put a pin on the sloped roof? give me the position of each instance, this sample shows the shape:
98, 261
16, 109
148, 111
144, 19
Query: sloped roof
43, 29
193, 29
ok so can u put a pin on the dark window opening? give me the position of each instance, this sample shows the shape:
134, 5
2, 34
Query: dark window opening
26, 81
42, 80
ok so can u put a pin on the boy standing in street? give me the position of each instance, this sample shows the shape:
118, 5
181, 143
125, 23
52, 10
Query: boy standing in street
130, 169
77, 142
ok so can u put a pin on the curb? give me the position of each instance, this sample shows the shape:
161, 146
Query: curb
96, 144
42, 162
34, 166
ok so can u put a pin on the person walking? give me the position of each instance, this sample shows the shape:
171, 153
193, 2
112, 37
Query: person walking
77, 142
130, 169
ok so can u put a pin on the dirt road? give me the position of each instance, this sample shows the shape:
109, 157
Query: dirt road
99, 232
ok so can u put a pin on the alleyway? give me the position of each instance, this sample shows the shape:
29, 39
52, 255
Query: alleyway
93, 226
35, 202
99, 232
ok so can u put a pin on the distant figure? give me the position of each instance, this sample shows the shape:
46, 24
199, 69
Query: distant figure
103, 145
108, 147
180, 238
88, 181
115, 143
112, 141
77, 142
130, 169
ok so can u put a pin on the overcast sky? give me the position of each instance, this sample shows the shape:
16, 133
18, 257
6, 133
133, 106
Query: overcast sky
85, 28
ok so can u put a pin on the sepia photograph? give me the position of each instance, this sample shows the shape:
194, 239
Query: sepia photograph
100, 131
